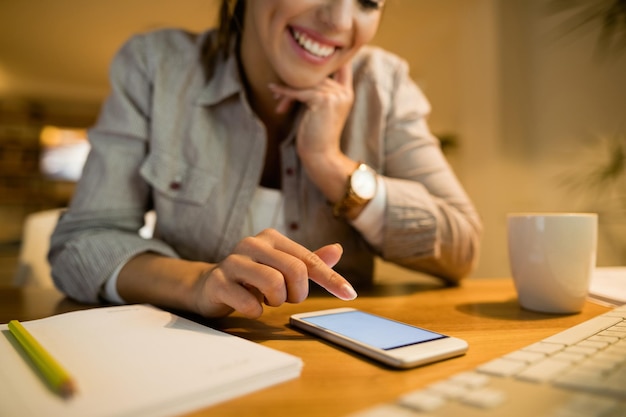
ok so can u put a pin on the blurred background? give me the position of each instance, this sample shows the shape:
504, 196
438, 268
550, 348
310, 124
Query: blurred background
528, 97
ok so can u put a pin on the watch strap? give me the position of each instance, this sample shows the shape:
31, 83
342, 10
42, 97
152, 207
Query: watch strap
350, 199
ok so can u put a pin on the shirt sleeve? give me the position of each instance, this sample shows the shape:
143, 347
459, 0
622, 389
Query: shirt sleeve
109, 289
99, 231
430, 222
371, 219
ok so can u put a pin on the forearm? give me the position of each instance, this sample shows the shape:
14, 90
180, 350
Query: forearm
330, 173
161, 280
266, 269
431, 234
85, 251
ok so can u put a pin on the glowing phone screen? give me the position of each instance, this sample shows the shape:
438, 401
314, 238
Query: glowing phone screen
373, 330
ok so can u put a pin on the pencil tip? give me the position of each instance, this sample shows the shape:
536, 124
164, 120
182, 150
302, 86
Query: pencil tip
67, 389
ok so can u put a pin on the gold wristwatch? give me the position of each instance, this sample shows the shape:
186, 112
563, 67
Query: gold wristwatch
361, 188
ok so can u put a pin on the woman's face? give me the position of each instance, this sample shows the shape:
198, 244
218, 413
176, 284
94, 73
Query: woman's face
300, 42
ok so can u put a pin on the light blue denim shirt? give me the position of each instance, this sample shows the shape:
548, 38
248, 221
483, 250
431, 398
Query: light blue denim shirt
172, 139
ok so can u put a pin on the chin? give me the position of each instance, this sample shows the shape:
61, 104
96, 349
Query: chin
300, 82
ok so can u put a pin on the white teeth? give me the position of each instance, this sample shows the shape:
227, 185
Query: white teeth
312, 46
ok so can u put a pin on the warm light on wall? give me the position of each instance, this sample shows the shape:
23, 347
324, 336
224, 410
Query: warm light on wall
4, 82
64, 151
61, 136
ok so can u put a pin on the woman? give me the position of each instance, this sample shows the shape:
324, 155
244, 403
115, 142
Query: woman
261, 146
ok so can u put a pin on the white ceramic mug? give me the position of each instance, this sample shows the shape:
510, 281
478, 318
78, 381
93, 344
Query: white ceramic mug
552, 257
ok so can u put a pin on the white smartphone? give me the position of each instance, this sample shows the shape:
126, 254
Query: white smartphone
394, 343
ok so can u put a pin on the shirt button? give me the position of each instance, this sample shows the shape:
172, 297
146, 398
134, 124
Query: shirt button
289, 171
294, 226
175, 185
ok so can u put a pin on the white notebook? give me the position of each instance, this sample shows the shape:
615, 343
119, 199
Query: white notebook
135, 361
608, 285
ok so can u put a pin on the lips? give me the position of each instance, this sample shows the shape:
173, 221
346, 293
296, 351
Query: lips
312, 46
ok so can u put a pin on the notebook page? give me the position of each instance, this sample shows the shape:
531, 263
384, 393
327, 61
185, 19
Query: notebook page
608, 285
135, 361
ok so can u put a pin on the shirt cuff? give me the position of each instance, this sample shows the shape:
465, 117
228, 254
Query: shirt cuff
370, 222
109, 289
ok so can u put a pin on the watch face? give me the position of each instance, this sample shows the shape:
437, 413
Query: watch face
363, 182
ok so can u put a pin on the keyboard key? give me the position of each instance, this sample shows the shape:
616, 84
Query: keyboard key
448, 390
587, 351
385, 410
611, 383
525, 356
470, 379
547, 348
597, 366
543, 371
616, 350
588, 405
621, 343
582, 331
484, 398
614, 332
502, 367
611, 357
592, 345
580, 380
605, 338
423, 400
571, 357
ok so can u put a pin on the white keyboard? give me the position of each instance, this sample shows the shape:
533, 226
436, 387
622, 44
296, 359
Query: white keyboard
580, 372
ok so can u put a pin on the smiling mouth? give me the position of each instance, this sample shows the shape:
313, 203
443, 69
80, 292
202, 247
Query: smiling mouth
311, 46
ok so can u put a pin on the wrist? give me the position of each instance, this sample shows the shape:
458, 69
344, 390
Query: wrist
160, 280
329, 172
361, 187
202, 297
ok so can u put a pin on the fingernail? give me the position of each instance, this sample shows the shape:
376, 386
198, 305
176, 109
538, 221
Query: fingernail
349, 292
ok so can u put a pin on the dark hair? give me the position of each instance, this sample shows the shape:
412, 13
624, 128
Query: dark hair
228, 31
230, 25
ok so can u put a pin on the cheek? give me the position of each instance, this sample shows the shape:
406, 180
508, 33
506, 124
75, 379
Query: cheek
367, 29
364, 34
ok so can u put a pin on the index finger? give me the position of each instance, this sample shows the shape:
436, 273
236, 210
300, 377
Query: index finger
332, 282
317, 269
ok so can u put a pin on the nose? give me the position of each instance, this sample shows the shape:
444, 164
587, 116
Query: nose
337, 14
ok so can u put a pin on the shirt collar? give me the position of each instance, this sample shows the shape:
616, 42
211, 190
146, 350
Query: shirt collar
224, 83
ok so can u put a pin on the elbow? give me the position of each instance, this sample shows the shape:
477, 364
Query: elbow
69, 275
448, 249
451, 262
463, 255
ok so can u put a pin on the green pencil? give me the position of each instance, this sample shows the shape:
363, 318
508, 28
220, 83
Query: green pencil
54, 374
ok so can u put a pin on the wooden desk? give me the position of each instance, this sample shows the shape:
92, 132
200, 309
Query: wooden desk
335, 382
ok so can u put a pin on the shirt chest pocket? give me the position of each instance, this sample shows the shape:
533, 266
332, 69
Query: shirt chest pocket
175, 179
